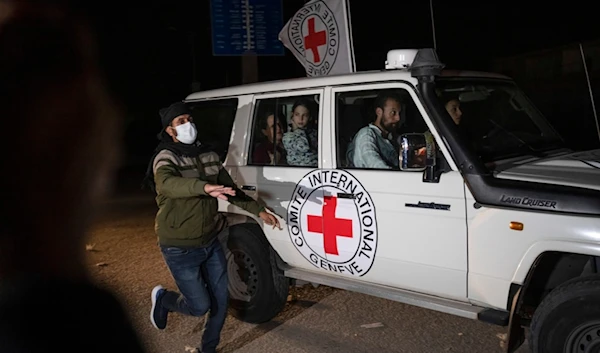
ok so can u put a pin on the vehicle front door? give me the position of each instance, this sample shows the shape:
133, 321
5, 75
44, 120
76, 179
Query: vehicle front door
406, 233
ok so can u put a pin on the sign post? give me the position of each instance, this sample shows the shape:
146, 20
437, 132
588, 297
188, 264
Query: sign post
247, 28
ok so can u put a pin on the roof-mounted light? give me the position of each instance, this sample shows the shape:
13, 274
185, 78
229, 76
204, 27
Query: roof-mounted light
400, 58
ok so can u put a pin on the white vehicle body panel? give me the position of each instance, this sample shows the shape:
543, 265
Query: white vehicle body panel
466, 254
499, 256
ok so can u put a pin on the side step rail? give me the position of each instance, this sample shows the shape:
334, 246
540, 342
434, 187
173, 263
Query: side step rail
402, 296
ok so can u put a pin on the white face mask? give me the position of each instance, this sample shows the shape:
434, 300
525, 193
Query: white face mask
186, 133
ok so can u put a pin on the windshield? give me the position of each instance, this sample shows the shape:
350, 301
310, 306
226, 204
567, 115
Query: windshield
496, 118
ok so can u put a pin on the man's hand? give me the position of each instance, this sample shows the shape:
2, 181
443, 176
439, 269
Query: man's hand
218, 191
269, 219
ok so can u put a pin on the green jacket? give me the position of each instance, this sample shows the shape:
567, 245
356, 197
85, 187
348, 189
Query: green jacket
187, 216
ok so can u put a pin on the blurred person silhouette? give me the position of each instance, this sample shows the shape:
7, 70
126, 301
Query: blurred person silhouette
59, 151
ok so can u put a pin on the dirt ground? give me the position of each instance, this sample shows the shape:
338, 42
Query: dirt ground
123, 256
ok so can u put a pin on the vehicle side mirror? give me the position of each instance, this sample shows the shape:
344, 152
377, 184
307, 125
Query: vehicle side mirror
413, 152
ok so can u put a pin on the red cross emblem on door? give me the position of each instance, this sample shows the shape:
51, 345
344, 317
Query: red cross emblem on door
330, 226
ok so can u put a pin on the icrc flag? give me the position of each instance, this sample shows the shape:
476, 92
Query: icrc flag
319, 36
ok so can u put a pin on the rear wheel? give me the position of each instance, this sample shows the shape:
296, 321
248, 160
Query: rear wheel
258, 290
568, 319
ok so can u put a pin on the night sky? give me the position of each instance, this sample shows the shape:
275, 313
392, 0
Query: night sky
146, 51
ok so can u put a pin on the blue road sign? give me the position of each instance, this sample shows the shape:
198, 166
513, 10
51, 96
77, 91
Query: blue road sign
240, 26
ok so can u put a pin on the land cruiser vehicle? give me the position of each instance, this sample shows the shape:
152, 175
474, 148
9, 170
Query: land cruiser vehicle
500, 222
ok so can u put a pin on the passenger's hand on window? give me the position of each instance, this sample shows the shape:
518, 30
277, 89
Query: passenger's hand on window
269, 219
219, 191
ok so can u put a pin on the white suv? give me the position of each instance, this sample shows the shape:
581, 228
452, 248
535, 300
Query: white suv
498, 222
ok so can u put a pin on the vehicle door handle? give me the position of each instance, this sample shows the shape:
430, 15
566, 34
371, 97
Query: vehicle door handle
249, 187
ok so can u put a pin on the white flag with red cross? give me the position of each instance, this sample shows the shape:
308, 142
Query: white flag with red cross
320, 37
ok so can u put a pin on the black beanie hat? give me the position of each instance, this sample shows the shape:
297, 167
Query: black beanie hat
174, 110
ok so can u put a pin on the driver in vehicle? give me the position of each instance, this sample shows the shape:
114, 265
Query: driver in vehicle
453, 108
452, 105
372, 147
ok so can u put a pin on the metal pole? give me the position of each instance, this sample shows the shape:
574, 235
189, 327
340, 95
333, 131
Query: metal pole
432, 23
587, 76
249, 58
350, 36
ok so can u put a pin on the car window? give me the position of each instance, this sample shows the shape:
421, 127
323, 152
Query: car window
361, 144
214, 121
285, 132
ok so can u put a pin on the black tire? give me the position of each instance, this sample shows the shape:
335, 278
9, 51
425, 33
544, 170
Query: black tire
568, 319
268, 287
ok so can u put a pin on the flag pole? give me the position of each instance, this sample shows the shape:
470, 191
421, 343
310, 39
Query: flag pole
587, 76
432, 24
350, 42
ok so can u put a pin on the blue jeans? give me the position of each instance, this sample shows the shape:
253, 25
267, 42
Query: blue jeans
201, 276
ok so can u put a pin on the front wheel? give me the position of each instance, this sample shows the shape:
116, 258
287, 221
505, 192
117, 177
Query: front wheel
258, 290
568, 319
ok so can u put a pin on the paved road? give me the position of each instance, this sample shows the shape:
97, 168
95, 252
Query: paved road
125, 258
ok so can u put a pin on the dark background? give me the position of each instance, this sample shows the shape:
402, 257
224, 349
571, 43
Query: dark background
148, 50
